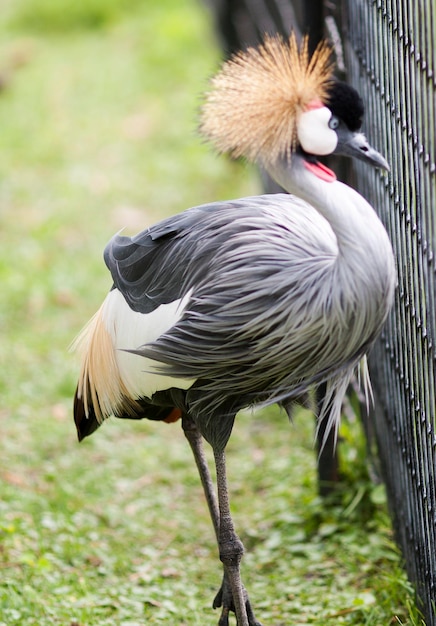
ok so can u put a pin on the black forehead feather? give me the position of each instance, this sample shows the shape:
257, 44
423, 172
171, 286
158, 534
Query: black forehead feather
344, 102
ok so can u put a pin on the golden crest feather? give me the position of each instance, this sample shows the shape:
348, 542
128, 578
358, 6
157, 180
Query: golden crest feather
256, 98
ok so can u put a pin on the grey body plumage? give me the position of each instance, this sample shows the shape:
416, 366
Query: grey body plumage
268, 297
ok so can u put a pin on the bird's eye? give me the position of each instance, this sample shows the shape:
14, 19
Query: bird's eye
333, 122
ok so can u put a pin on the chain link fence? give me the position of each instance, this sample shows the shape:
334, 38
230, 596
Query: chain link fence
390, 51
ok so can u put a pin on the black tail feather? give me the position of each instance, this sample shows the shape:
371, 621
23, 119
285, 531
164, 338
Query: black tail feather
85, 424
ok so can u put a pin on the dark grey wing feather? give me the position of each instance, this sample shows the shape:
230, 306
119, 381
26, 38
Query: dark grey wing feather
161, 264
149, 269
143, 273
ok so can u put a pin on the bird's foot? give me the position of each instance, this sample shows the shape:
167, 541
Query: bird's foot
224, 599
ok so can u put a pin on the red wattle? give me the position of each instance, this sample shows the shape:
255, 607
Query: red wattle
320, 170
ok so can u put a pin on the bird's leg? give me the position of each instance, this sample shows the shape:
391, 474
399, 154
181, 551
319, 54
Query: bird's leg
232, 595
195, 439
225, 596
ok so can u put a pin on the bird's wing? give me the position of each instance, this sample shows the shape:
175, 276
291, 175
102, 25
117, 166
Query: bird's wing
160, 264
242, 270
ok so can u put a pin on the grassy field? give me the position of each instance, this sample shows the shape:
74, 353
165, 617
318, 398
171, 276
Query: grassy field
98, 107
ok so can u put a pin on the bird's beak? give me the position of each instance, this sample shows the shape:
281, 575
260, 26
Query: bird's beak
356, 145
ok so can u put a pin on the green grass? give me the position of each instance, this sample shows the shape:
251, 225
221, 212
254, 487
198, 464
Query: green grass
98, 132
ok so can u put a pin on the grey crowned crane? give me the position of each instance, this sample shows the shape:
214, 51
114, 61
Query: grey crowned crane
249, 301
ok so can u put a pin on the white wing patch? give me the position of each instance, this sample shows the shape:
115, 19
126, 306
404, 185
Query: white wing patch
130, 330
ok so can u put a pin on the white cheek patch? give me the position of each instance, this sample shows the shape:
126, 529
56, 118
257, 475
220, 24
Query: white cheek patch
314, 133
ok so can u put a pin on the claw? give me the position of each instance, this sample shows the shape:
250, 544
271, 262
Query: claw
224, 619
218, 600
251, 619
224, 599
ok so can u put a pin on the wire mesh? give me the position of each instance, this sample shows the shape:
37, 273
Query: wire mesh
390, 52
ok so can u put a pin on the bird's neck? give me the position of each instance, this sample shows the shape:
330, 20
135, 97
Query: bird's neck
365, 262
363, 279
349, 215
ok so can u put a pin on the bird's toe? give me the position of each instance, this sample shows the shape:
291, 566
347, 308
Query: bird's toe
224, 600
224, 619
